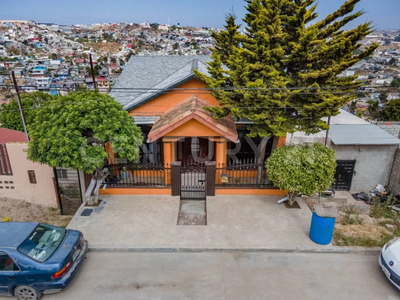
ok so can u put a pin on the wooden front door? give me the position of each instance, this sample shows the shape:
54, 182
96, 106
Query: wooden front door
191, 148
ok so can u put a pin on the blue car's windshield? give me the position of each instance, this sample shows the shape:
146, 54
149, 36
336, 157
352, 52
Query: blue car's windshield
43, 241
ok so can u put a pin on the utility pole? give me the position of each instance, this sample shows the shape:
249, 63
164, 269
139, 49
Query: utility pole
91, 67
327, 132
21, 111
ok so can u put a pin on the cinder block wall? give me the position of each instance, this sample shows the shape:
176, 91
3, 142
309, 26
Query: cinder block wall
394, 179
373, 164
393, 128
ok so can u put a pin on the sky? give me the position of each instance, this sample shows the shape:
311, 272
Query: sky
384, 14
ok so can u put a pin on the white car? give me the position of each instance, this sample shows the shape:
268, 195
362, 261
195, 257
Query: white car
389, 260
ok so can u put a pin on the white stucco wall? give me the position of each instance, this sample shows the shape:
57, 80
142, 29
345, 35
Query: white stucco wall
17, 186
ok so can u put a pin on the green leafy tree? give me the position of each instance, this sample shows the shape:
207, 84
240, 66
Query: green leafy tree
71, 131
128, 56
103, 59
395, 82
373, 109
302, 169
14, 51
96, 70
107, 36
391, 111
383, 97
287, 50
9, 112
154, 26
53, 56
361, 95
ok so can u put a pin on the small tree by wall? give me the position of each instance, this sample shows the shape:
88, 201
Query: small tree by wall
302, 169
71, 131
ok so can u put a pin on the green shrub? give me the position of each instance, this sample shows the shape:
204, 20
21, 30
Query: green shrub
383, 210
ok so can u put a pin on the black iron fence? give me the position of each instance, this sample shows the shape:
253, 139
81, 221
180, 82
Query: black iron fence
139, 175
242, 174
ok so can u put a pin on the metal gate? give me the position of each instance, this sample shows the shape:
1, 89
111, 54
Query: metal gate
344, 175
68, 189
193, 181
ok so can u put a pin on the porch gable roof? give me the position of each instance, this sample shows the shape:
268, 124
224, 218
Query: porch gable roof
192, 108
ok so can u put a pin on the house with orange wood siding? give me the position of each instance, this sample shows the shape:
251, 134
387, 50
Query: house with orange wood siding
185, 151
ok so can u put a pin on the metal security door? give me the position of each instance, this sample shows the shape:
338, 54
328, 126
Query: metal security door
344, 175
69, 190
193, 181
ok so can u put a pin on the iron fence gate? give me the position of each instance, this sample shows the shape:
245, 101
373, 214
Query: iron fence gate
193, 181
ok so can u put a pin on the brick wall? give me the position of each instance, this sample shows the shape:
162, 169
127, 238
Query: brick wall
393, 128
394, 179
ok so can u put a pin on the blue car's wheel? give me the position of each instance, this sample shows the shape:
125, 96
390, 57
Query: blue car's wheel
25, 292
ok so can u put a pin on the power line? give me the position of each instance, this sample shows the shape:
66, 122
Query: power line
168, 106
148, 89
204, 92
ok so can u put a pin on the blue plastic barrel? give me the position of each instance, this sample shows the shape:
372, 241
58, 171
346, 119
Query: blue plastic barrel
321, 230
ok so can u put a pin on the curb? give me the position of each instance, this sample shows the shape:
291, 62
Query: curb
330, 250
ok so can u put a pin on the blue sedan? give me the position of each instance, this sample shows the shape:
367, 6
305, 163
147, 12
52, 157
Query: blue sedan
38, 259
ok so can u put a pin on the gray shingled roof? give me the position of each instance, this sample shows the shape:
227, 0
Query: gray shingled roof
361, 134
158, 72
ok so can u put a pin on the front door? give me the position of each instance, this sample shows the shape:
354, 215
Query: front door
344, 175
195, 149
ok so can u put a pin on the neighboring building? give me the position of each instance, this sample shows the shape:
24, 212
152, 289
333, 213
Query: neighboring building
103, 84
33, 182
113, 68
39, 71
19, 72
21, 178
89, 83
364, 152
103, 72
43, 83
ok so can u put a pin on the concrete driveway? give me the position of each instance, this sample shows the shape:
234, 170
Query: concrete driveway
233, 222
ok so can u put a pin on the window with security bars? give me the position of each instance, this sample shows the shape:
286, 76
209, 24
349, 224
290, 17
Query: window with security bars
5, 166
32, 176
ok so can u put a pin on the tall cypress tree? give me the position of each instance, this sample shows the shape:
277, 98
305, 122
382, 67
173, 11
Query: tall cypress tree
282, 72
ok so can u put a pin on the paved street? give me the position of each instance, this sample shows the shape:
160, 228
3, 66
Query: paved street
214, 276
